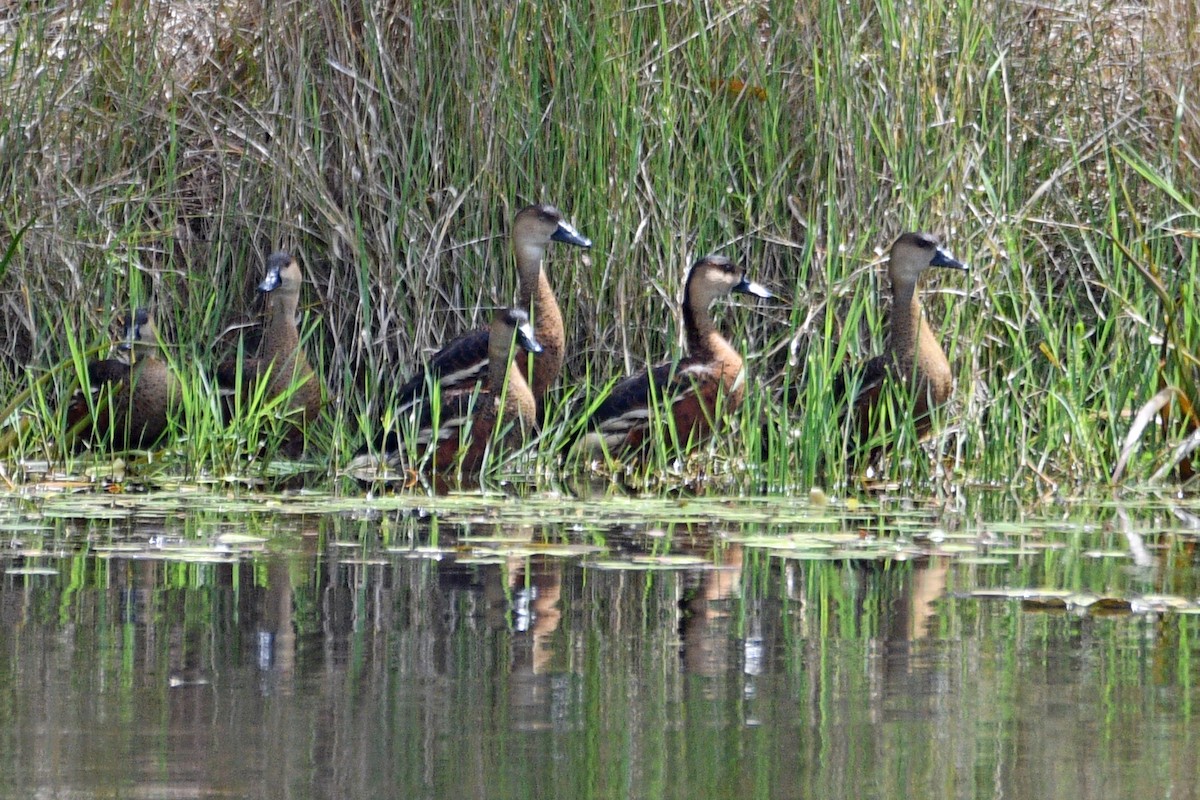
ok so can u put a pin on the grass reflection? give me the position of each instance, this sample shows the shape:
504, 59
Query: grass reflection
447, 651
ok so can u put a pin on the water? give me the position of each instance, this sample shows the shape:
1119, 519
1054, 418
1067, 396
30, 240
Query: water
181, 646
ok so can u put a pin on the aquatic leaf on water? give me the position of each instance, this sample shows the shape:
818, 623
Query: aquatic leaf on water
514, 538
24, 527
1163, 602
876, 554
1013, 551
1047, 595
480, 560
956, 549
434, 553
29, 552
185, 554
239, 539
804, 555
192, 523
652, 562
1108, 605
528, 550
786, 542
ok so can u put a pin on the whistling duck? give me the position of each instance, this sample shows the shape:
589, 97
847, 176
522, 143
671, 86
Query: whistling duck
467, 421
280, 357
713, 369
461, 365
143, 394
911, 352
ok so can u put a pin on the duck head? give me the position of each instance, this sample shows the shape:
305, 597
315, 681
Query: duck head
913, 253
714, 276
283, 275
538, 225
139, 334
514, 323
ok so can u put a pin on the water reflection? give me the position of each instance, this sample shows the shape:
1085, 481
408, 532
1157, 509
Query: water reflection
283, 652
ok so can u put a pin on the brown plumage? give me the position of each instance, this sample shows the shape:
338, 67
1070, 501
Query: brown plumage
465, 424
280, 359
911, 351
134, 397
461, 366
622, 423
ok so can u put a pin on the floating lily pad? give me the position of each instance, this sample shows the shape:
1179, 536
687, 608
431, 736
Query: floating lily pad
1161, 601
239, 540
955, 548
431, 553
867, 554
803, 555
15, 527
1022, 594
651, 563
29, 571
1013, 551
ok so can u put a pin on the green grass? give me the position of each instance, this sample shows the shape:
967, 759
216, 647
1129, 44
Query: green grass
1053, 150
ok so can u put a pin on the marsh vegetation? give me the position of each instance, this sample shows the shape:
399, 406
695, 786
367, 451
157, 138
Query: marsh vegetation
153, 154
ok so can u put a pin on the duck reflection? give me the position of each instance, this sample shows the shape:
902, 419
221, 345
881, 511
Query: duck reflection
540, 661
707, 614
421, 603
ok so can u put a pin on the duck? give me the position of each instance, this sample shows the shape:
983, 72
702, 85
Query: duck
465, 424
462, 365
143, 394
911, 352
281, 358
709, 380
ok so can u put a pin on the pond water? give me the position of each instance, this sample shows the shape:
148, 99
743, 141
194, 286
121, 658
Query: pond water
187, 645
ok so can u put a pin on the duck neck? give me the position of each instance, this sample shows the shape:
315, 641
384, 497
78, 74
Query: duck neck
280, 335
141, 355
538, 298
500, 363
706, 345
703, 338
914, 348
505, 380
906, 324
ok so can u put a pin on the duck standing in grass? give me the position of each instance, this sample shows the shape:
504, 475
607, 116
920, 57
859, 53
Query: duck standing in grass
911, 353
462, 365
456, 432
133, 397
694, 391
281, 360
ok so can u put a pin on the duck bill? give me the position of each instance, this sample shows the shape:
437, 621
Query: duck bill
750, 287
565, 232
271, 282
133, 331
943, 259
526, 339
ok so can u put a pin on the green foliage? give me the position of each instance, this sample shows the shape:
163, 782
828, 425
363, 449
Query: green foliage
390, 147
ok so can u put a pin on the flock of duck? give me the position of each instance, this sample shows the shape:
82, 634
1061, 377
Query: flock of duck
488, 388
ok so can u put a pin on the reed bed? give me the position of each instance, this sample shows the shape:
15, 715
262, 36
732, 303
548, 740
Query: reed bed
155, 152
